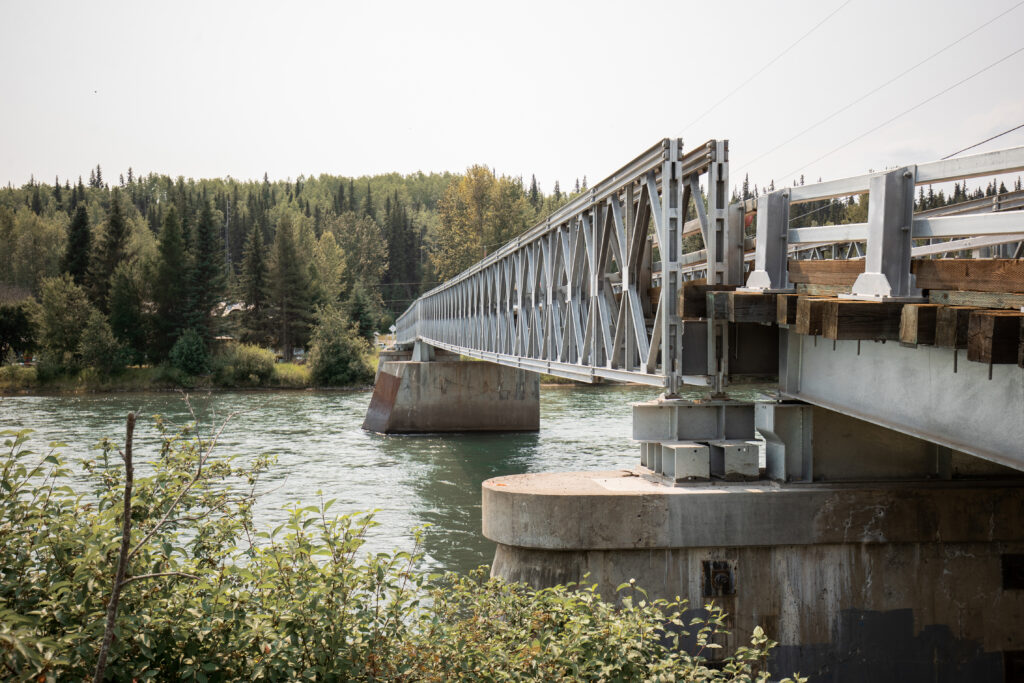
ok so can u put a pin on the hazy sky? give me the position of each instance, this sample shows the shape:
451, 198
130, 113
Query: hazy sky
561, 90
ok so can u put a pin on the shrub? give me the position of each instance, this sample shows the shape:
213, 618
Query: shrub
242, 364
189, 354
207, 596
292, 376
338, 354
98, 347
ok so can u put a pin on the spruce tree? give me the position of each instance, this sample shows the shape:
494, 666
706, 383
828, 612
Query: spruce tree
126, 319
368, 209
207, 273
170, 286
112, 251
254, 290
76, 257
290, 292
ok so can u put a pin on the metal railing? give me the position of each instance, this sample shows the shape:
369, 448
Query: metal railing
574, 296
591, 290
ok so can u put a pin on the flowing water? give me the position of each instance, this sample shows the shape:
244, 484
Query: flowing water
410, 480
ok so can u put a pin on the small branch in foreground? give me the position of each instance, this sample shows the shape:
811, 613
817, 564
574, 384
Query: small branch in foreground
122, 560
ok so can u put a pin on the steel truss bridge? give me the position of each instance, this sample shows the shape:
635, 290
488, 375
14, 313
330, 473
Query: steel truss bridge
840, 316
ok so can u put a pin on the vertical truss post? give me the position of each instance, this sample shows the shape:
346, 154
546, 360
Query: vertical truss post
670, 247
771, 272
890, 216
719, 255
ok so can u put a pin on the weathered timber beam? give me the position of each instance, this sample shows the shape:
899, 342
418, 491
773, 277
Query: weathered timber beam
979, 275
861, 319
692, 298
810, 312
785, 309
822, 290
994, 336
751, 307
977, 299
825, 272
951, 324
917, 324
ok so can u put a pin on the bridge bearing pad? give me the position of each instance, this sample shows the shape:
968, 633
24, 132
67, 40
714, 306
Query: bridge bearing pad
838, 573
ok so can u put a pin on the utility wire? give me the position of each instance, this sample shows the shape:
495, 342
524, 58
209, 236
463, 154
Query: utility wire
866, 95
977, 144
904, 113
763, 68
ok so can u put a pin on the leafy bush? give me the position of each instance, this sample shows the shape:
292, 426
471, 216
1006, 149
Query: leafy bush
206, 596
243, 364
338, 354
189, 354
98, 347
291, 376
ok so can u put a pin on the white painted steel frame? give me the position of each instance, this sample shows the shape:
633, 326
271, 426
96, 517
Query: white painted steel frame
571, 296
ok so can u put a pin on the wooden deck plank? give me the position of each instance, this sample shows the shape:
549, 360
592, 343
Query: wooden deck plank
976, 275
951, 326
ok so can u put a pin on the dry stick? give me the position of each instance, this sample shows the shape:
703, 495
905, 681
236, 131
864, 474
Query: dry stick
122, 560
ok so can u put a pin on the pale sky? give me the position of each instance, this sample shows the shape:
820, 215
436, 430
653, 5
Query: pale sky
562, 90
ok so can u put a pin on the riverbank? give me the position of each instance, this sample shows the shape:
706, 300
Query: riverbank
18, 380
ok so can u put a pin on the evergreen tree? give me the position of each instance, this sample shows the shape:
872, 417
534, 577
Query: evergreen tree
352, 195
112, 250
557, 193
254, 290
290, 292
207, 273
76, 257
368, 209
57, 196
126, 319
170, 286
360, 312
534, 192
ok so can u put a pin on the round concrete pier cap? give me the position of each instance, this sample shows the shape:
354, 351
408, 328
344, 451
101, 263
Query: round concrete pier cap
623, 509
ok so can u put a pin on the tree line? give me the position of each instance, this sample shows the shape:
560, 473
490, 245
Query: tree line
91, 271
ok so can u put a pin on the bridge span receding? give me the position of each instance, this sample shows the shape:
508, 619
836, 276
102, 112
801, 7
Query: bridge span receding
891, 430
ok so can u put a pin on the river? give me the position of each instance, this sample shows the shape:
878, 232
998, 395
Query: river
409, 480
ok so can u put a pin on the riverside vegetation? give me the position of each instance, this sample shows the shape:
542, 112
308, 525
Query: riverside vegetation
164, 577
95, 278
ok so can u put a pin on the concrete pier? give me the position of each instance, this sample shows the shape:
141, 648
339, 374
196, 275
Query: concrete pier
882, 581
449, 395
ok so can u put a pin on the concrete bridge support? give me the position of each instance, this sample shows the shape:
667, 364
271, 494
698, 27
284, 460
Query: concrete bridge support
867, 555
434, 391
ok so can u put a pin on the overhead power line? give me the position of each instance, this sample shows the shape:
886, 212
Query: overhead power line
978, 144
868, 94
905, 112
763, 68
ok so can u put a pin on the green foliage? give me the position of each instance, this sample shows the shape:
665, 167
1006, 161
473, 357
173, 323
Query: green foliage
189, 354
63, 313
338, 354
127, 320
98, 347
209, 597
170, 286
79, 248
17, 331
243, 365
111, 250
290, 292
253, 290
291, 376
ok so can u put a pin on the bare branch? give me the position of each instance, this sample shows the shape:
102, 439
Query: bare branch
122, 560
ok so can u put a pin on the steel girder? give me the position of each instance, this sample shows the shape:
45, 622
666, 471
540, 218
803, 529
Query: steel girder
573, 295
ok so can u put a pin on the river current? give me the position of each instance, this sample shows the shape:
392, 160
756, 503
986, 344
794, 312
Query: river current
409, 480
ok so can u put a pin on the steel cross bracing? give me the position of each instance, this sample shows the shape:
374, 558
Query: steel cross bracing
575, 296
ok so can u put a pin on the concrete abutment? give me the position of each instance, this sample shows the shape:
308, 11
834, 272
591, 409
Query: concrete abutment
432, 391
867, 555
